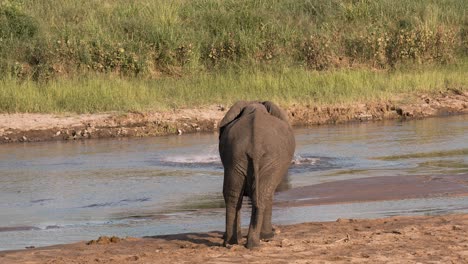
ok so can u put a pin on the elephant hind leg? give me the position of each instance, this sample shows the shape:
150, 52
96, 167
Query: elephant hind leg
233, 217
267, 230
256, 221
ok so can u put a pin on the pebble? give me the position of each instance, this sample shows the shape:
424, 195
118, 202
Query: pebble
285, 243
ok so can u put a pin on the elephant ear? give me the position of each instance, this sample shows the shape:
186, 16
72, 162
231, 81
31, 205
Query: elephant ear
232, 114
275, 111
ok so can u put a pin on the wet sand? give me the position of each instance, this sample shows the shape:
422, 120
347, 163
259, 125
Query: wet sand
375, 189
415, 239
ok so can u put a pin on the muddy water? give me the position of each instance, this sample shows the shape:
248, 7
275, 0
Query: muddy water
63, 192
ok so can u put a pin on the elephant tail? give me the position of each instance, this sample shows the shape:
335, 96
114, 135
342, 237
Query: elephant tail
254, 174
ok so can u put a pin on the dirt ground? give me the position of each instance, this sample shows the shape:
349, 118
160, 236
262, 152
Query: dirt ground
49, 127
417, 239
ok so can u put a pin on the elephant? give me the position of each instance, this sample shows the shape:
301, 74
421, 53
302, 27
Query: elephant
256, 146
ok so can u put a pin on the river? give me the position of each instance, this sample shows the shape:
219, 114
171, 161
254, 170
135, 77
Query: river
62, 192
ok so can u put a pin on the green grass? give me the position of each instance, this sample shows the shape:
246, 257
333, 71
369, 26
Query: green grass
286, 86
118, 55
47, 39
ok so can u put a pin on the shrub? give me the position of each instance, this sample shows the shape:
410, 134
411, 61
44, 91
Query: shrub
316, 52
15, 24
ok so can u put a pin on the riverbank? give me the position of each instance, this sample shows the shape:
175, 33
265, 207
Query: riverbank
415, 239
50, 127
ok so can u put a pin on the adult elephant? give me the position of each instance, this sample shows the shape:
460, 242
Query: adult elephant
256, 145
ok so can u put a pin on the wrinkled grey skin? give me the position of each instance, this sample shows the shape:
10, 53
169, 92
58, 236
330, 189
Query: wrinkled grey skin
256, 145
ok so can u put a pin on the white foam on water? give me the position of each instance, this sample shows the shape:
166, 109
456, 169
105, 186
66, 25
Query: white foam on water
298, 160
193, 159
214, 158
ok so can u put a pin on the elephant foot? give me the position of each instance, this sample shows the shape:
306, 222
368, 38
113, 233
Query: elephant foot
267, 235
232, 241
252, 244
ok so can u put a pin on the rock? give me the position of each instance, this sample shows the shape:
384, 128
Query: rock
344, 220
276, 230
133, 258
104, 240
24, 138
115, 239
285, 243
179, 132
457, 228
365, 117
58, 133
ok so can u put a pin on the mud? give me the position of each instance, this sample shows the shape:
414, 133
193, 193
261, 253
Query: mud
47, 127
375, 189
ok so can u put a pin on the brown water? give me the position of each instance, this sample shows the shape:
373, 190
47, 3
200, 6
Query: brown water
62, 192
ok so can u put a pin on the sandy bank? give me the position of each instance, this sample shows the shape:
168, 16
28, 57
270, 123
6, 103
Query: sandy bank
47, 127
422, 239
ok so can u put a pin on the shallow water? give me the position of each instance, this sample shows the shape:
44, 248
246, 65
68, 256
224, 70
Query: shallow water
62, 192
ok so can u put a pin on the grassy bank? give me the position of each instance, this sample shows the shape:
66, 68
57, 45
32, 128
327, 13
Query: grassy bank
46, 39
92, 56
285, 86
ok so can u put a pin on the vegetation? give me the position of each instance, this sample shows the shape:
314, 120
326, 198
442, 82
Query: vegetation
100, 55
286, 86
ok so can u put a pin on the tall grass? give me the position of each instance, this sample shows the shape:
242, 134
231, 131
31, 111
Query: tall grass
118, 55
46, 39
286, 86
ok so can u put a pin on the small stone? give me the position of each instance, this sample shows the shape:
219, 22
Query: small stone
58, 133
365, 117
276, 230
104, 240
115, 239
133, 258
24, 138
179, 132
285, 243
457, 228
345, 220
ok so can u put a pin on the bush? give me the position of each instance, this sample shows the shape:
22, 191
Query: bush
47, 39
316, 53
14, 24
